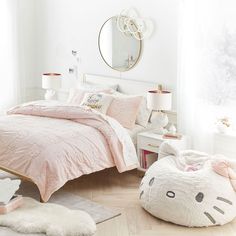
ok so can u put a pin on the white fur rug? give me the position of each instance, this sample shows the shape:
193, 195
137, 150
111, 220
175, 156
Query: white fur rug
50, 219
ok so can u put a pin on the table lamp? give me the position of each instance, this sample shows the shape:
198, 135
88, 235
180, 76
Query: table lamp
159, 100
51, 82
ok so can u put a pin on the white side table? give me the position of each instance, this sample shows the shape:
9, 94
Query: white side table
150, 141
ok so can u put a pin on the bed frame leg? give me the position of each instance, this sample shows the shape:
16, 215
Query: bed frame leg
41, 200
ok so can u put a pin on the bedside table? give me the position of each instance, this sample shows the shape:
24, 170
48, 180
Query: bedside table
149, 141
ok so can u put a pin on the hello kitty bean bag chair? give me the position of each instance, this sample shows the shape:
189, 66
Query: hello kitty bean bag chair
190, 188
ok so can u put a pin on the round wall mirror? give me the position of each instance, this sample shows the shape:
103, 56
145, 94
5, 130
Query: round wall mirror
119, 50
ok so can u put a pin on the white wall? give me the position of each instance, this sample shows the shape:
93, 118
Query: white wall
26, 46
63, 25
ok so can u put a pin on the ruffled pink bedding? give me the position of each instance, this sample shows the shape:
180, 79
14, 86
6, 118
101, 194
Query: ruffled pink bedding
51, 144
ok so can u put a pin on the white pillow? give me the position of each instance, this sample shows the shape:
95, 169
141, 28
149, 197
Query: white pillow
143, 114
97, 101
77, 95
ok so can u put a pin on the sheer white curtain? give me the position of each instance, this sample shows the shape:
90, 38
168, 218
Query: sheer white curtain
9, 82
207, 68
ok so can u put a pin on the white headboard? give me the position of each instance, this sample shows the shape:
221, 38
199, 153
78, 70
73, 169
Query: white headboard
124, 85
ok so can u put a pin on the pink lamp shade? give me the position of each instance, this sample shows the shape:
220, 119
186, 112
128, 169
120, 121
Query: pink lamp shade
51, 81
159, 100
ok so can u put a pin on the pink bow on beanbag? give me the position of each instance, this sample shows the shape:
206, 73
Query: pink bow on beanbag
225, 168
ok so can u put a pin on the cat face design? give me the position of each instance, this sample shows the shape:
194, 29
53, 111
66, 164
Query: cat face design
94, 98
195, 199
93, 101
200, 197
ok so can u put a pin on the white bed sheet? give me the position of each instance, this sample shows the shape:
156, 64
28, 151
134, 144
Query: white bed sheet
136, 130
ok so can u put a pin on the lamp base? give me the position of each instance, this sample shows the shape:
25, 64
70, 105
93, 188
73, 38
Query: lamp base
50, 94
160, 120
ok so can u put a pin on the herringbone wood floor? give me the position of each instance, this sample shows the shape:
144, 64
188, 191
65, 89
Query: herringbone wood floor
120, 191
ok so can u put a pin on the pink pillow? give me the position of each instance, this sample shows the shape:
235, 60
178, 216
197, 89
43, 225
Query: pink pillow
125, 110
144, 113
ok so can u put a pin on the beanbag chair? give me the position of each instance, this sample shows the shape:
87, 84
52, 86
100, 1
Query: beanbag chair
190, 188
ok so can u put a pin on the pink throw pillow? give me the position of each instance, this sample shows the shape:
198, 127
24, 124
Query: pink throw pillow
125, 110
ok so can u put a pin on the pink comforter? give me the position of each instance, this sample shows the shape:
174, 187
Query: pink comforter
56, 143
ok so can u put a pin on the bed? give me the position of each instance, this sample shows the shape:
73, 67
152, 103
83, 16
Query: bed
50, 143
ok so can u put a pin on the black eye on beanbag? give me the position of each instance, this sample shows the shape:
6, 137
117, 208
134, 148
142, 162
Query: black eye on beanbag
170, 194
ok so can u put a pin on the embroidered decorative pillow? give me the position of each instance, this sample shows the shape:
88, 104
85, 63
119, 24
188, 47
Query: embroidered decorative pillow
97, 101
77, 95
125, 110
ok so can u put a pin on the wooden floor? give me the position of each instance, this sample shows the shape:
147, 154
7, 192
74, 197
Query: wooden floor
120, 191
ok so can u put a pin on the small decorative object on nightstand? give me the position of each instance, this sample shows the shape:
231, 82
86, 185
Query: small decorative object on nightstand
51, 82
223, 125
172, 129
149, 142
159, 100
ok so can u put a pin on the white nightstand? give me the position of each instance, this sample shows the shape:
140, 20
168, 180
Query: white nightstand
150, 141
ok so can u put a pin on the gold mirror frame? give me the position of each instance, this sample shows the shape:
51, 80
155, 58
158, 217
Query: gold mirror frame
139, 53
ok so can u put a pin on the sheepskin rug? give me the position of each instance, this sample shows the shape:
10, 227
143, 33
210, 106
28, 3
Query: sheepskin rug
51, 219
